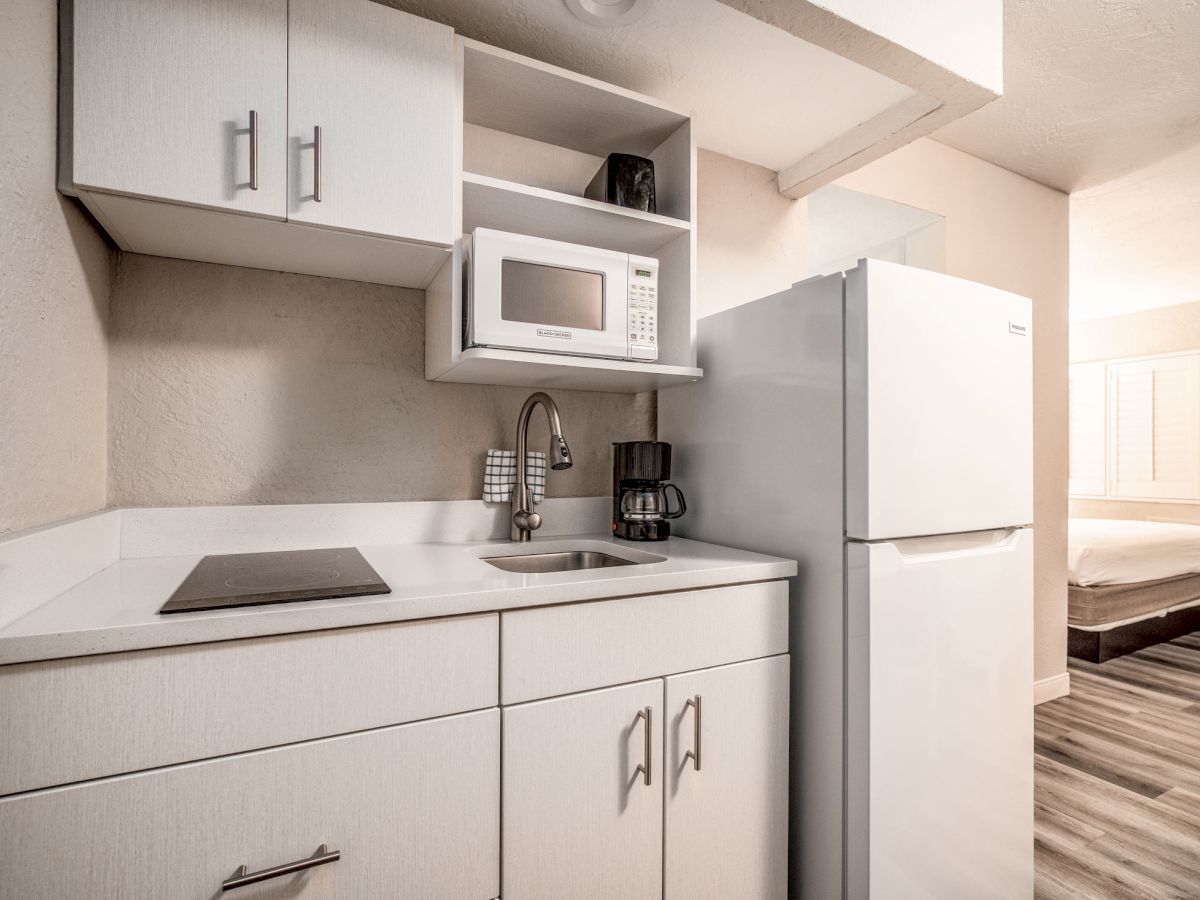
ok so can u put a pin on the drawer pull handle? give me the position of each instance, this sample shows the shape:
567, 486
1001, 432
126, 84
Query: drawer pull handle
317, 163
253, 150
241, 877
644, 766
694, 753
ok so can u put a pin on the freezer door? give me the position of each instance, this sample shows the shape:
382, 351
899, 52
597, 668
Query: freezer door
938, 404
940, 718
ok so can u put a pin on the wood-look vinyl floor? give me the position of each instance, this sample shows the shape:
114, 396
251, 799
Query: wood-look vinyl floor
1118, 779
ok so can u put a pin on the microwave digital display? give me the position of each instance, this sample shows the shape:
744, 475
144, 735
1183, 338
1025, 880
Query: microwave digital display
551, 295
643, 273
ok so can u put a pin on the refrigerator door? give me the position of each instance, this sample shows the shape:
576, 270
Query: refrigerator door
940, 718
938, 404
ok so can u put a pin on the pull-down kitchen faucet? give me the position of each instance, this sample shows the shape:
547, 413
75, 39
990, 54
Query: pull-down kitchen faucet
524, 520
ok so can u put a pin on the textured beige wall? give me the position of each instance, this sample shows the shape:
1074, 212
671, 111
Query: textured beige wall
1012, 233
230, 385
1168, 329
750, 238
55, 271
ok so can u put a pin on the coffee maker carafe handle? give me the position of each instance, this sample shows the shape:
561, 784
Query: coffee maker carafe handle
667, 513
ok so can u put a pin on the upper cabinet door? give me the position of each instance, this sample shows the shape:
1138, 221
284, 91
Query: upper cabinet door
162, 96
727, 782
939, 398
371, 111
581, 811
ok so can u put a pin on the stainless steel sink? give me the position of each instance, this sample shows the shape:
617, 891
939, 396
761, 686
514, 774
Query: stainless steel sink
564, 561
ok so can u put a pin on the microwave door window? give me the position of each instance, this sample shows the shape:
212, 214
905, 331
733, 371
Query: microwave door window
551, 295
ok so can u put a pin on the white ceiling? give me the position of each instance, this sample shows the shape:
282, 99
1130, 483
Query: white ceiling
1094, 89
1102, 99
1135, 241
751, 86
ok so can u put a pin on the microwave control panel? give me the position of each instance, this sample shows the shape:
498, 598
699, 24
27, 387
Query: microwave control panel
643, 308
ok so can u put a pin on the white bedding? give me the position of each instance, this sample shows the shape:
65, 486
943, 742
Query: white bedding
1122, 551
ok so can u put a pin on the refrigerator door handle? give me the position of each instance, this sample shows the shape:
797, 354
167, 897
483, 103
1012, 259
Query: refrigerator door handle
974, 543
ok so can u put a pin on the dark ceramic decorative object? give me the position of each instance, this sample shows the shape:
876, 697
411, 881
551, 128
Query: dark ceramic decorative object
624, 180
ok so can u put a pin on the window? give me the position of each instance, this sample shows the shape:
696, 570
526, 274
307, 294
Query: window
1135, 428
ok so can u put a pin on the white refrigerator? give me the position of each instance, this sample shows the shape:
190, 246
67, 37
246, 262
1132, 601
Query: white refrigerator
876, 426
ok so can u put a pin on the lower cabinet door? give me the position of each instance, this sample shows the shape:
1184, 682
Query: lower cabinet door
582, 807
412, 810
727, 782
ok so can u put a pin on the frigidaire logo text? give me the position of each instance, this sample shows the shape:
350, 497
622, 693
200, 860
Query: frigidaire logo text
546, 332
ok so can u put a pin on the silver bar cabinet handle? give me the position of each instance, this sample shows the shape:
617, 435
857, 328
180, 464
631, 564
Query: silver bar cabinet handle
644, 767
317, 163
694, 753
253, 150
241, 877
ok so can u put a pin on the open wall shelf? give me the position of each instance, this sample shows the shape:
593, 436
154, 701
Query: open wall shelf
533, 137
486, 365
508, 92
510, 206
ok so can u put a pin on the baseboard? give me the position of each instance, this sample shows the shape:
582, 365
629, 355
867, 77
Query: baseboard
1051, 688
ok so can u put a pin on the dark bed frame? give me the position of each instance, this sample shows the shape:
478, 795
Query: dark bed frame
1101, 646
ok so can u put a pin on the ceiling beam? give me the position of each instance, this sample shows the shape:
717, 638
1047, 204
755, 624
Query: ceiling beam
941, 95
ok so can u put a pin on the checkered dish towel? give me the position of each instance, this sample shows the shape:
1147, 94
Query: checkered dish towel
500, 474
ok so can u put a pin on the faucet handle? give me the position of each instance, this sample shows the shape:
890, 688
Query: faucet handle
527, 521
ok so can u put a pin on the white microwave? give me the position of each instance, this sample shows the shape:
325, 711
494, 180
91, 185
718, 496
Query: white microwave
527, 293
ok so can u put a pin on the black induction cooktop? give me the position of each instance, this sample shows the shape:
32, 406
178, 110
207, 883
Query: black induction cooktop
285, 576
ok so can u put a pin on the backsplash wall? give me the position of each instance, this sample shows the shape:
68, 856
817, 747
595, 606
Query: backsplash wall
55, 272
231, 385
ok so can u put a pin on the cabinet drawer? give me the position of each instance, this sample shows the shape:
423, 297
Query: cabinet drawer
89, 717
564, 649
413, 810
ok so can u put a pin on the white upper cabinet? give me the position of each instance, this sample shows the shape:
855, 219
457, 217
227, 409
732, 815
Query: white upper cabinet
371, 120
159, 98
188, 131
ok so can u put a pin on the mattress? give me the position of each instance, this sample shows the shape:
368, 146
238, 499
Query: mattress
1107, 606
1121, 551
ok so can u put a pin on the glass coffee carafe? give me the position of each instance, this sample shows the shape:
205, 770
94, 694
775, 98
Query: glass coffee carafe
650, 502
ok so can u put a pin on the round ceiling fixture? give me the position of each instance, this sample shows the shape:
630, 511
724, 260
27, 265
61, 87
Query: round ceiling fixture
608, 12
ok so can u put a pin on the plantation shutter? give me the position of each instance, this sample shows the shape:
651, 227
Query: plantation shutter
1154, 441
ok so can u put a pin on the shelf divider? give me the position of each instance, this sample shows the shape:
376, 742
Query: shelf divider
523, 209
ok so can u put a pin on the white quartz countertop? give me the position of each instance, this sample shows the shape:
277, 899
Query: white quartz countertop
116, 609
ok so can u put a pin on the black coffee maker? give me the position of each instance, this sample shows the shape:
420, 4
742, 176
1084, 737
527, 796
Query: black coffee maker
641, 489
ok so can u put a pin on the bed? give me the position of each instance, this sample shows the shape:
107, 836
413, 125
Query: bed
1131, 584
